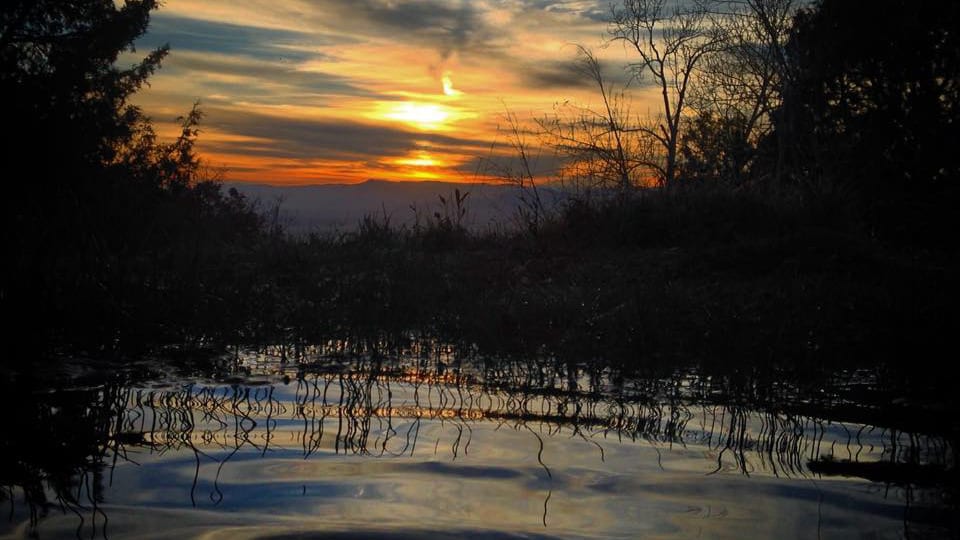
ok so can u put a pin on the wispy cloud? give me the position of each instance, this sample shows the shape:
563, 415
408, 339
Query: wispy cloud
305, 138
304, 87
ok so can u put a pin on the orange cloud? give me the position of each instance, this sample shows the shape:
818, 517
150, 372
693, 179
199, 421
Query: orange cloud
336, 91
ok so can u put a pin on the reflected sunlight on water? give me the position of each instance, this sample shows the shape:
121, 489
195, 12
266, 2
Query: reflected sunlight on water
424, 447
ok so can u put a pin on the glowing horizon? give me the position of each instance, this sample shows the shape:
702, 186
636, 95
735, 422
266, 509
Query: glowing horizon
342, 91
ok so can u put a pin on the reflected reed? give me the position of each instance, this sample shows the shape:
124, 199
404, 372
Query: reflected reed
323, 400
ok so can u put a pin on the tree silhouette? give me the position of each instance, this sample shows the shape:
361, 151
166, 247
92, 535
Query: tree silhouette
604, 147
738, 90
112, 235
873, 106
58, 66
671, 40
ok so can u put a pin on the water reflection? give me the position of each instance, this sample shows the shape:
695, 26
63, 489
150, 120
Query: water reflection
429, 442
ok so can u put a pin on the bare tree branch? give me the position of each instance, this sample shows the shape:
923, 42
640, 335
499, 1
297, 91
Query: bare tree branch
671, 43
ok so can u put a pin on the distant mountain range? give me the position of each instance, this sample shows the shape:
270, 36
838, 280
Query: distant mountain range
331, 207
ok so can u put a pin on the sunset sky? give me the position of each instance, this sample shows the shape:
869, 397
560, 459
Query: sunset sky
340, 91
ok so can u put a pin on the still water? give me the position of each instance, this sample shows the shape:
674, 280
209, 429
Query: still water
431, 446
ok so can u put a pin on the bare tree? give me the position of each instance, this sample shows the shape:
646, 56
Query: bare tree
602, 146
718, 67
672, 39
521, 171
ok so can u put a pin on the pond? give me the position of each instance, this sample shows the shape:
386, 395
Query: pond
427, 444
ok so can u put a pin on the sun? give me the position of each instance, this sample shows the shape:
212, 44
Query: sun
421, 115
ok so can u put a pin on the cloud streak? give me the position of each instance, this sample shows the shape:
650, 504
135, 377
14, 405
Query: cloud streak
447, 26
302, 90
302, 138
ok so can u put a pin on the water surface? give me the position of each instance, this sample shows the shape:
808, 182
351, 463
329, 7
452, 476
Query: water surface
433, 446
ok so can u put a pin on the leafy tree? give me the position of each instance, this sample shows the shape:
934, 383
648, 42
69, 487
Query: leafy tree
739, 87
716, 149
58, 66
872, 108
113, 235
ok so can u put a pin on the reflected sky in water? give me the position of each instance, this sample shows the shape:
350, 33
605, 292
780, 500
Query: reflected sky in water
423, 449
